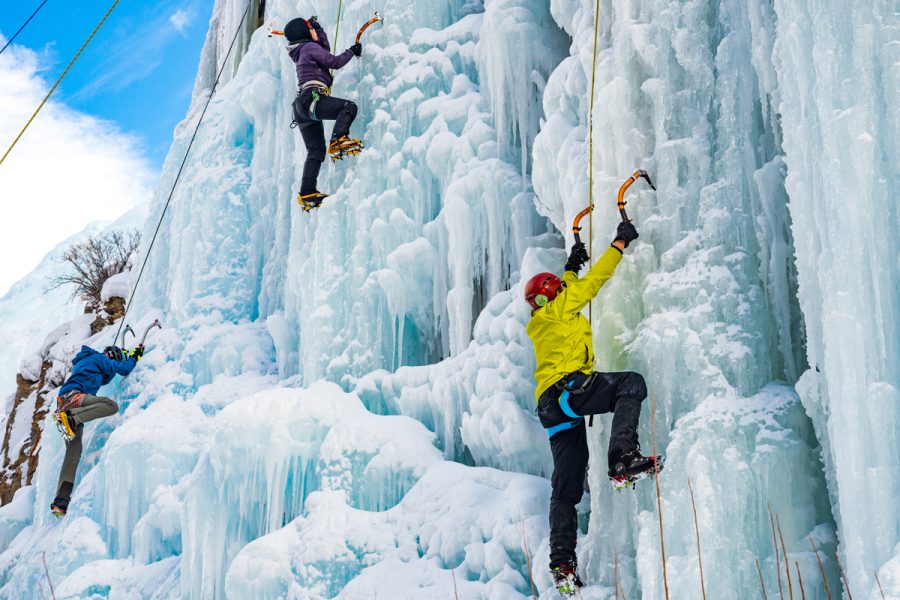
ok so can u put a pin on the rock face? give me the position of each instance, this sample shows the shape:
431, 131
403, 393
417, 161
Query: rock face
20, 453
113, 309
39, 376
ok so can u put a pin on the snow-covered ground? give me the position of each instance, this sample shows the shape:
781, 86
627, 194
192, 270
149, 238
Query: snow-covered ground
341, 403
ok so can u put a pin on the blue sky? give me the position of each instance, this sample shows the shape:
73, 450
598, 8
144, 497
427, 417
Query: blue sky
96, 149
137, 72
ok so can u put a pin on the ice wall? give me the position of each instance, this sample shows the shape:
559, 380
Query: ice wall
704, 303
425, 229
341, 403
837, 68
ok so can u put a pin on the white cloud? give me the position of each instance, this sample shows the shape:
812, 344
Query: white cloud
181, 19
68, 169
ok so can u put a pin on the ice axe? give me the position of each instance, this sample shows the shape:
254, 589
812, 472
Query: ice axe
377, 19
620, 202
128, 329
155, 323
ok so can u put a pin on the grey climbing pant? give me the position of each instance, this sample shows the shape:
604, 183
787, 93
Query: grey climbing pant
86, 409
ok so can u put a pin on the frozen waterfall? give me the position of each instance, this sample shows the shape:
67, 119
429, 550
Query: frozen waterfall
341, 404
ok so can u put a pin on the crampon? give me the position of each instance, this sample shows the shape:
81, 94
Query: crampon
566, 580
312, 201
64, 424
633, 467
344, 146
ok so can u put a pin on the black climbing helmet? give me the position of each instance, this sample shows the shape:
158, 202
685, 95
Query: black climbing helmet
297, 30
114, 352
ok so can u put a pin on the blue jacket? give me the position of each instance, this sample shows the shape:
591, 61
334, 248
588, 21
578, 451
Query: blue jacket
92, 369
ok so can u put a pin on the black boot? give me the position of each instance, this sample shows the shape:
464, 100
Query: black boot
631, 467
59, 507
565, 578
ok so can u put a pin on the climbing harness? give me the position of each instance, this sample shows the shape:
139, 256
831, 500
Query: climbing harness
620, 200
58, 81
187, 153
319, 89
567, 385
27, 21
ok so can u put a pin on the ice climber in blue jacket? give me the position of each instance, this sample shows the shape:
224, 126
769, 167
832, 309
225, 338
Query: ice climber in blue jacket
78, 403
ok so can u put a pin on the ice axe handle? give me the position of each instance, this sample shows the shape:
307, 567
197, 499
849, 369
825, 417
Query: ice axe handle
576, 224
377, 18
620, 201
155, 323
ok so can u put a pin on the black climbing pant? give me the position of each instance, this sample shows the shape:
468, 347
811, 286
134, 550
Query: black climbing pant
618, 393
86, 409
328, 107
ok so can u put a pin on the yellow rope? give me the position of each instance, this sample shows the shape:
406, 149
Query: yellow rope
58, 81
591, 153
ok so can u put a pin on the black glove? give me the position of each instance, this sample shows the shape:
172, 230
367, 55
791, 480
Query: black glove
356, 49
626, 233
577, 257
138, 352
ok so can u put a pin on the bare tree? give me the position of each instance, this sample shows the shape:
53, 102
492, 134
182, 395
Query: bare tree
94, 261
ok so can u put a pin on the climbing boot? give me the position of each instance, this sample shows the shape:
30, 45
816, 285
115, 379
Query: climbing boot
65, 424
59, 507
566, 579
311, 201
631, 467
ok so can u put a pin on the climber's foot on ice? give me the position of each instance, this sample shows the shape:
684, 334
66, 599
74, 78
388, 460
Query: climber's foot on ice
566, 579
310, 201
59, 507
344, 146
65, 424
631, 467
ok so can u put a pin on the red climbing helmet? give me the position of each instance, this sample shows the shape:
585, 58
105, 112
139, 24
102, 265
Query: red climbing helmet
541, 289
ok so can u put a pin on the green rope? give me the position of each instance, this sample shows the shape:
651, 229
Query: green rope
337, 27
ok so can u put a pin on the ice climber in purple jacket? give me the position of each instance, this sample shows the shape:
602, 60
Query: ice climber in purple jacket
311, 53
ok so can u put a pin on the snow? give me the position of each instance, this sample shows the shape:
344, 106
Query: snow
118, 285
340, 404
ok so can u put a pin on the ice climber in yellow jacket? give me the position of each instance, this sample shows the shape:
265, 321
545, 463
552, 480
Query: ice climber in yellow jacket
568, 389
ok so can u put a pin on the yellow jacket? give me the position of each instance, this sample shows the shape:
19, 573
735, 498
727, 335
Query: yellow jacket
560, 333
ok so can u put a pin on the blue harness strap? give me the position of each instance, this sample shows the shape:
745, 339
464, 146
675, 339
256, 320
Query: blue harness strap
564, 404
551, 431
567, 410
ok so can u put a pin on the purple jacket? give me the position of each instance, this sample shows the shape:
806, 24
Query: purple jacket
314, 59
